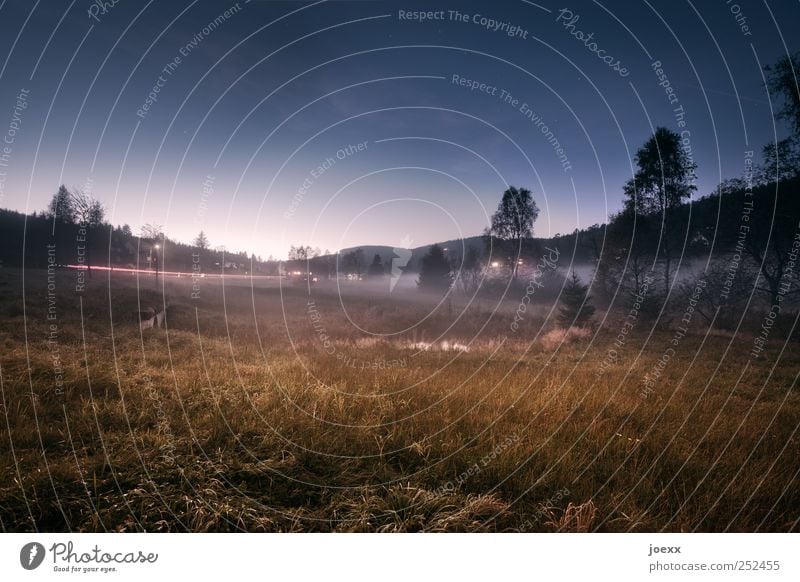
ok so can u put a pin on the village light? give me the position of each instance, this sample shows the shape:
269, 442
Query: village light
495, 264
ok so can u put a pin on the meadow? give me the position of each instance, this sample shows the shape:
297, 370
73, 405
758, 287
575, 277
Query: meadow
267, 407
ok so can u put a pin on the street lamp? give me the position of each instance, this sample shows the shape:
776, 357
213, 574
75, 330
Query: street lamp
154, 260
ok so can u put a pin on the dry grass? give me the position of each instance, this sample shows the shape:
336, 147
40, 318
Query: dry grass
557, 337
254, 423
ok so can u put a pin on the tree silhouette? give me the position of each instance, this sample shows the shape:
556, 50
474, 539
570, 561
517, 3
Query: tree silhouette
353, 262
434, 272
376, 269
664, 179
782, 80
770, 241
152, 232
512, 223
302, 253
87, 210
781, 159
62, 206
201, 241
90, 214
576, 309
468, 276
627, 260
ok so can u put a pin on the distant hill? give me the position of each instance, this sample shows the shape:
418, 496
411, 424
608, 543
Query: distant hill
577, 244
388, 253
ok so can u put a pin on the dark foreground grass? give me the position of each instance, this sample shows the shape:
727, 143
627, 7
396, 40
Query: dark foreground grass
258, 412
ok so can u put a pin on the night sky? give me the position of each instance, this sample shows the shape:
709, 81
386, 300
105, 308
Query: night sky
341, 123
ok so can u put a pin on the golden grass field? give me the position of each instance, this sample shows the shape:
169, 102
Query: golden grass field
255, 412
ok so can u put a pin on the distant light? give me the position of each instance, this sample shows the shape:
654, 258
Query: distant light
158, 247
519, 262
495, 264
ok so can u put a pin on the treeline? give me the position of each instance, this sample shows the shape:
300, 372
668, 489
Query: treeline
74, 231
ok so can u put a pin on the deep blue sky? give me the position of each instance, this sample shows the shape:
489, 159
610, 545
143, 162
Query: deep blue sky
276, 88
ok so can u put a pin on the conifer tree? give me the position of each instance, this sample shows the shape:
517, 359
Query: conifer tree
576, 308
435, 273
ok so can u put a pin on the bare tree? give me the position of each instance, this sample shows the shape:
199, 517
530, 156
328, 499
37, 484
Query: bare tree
726, 288
152, 232
90, 215
154, 235
302, 253
468, 276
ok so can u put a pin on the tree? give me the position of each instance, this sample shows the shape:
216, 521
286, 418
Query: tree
434, 272
376, 269
665, 175
62, 206
626, 265
302, 253
782, 81
664, 179
87, 210
576, 309
725, 292
781, 161
771, 238
469, 274
201, 241
512, 223
152, 232
353, 262
90, 214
